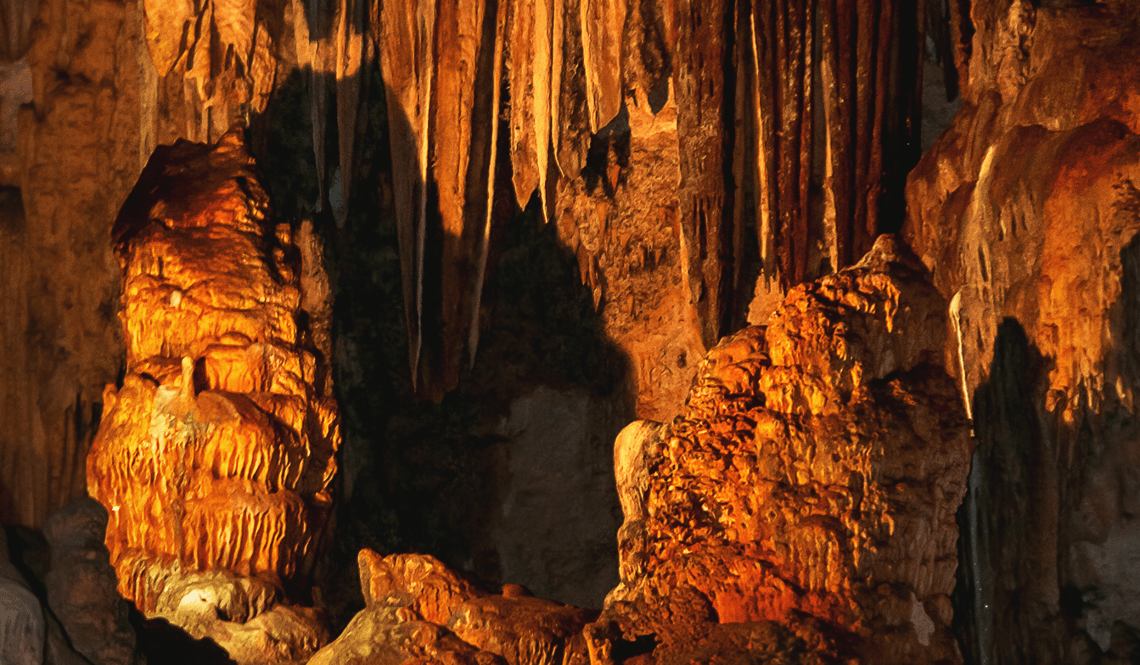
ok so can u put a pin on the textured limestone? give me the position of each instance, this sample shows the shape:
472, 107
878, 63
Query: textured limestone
215, 458
28, 634
81, 586
77, 155
417, 607
809, 487
1028, 206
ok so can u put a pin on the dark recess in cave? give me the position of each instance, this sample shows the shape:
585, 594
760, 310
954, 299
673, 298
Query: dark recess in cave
419, 476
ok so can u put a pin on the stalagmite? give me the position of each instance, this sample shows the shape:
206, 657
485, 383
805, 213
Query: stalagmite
215, 459
804, 501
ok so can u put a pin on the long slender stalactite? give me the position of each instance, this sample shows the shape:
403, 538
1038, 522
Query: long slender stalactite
599, 102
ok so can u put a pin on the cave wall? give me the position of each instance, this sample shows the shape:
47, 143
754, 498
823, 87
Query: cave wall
636, 179
564, 271
1026, 208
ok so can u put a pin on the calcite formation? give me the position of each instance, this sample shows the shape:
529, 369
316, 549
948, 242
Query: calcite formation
807, 492
417, 608
215, 457
1029, 208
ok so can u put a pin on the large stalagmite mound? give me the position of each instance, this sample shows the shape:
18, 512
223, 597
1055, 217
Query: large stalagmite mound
215, 458
804, 501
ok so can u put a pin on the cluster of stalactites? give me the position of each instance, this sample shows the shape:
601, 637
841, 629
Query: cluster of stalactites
780, 111
741, 76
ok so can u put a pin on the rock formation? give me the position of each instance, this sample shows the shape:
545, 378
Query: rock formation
420, 609
1027, 210
215, 458
81, 586
805, 498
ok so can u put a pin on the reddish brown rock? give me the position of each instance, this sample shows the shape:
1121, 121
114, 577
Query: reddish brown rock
808, 489
215, 458
1029, 209
418, 607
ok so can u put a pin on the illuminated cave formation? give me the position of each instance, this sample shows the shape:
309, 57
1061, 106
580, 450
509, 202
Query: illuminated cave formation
342, 309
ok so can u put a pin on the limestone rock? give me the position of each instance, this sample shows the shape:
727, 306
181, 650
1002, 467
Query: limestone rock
21, 625
1029, 207
419, 607
28, 635
215, 458
81, 586
809, 487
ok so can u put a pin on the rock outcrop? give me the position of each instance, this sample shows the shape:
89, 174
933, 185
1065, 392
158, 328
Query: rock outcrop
215, 458
804, 501
1028, 211
418, 608
81, 586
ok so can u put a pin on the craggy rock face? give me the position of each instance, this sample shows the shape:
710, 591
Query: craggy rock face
420, 609
810, 484
217, 453
1028, 207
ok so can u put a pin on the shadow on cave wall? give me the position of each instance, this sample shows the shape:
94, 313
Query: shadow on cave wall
1004, 495
510, 476
1052, 503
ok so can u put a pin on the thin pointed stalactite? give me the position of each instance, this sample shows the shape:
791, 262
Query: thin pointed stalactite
406, 37
350, 72
321, 62
485, 241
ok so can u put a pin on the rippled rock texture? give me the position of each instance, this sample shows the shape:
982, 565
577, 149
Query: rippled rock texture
804, 501
215, 458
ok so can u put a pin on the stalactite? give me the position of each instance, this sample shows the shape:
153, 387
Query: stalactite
835, 68
440, 62
603, 22
961, 33
485, 240
568, 74
569, 117
406, 36
350, 82
320, 62
701, 134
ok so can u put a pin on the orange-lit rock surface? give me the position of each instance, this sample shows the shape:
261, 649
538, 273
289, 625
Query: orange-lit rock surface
420, 609
215, 458
804, 501
1029, 208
